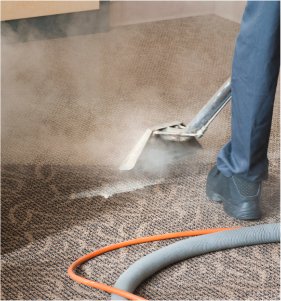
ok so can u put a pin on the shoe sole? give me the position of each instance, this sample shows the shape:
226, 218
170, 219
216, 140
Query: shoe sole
232, 210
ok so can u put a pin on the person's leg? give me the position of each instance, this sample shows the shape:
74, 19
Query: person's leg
253, 83
242, 163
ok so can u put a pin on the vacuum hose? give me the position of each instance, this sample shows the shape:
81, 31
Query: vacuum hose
156, 261
210, 240
112, 290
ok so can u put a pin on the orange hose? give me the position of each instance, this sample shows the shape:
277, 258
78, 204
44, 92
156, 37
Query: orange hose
140, 240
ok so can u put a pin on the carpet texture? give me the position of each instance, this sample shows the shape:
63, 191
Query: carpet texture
72, 108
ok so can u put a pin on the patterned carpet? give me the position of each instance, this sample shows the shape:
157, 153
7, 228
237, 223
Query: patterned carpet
72, 108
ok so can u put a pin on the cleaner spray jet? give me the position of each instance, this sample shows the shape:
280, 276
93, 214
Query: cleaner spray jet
180, 132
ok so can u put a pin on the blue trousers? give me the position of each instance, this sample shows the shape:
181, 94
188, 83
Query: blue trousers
254, 78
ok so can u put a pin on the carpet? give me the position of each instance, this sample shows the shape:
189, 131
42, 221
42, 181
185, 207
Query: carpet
72, 108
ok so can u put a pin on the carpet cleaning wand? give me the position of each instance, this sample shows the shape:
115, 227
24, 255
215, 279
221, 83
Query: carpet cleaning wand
178, 131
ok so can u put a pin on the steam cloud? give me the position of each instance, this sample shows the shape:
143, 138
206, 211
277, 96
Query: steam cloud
86, 99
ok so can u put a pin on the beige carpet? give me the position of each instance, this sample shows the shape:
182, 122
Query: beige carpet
72, 108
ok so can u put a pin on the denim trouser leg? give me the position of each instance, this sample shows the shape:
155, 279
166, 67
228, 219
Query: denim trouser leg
255, 72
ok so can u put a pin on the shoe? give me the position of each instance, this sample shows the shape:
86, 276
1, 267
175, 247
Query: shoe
241, 199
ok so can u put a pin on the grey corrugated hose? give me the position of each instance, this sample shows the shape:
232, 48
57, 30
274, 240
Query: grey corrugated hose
194, 246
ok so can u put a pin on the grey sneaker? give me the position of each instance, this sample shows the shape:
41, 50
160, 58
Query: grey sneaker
241, 199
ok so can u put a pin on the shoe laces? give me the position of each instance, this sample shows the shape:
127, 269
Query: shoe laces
247, 188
